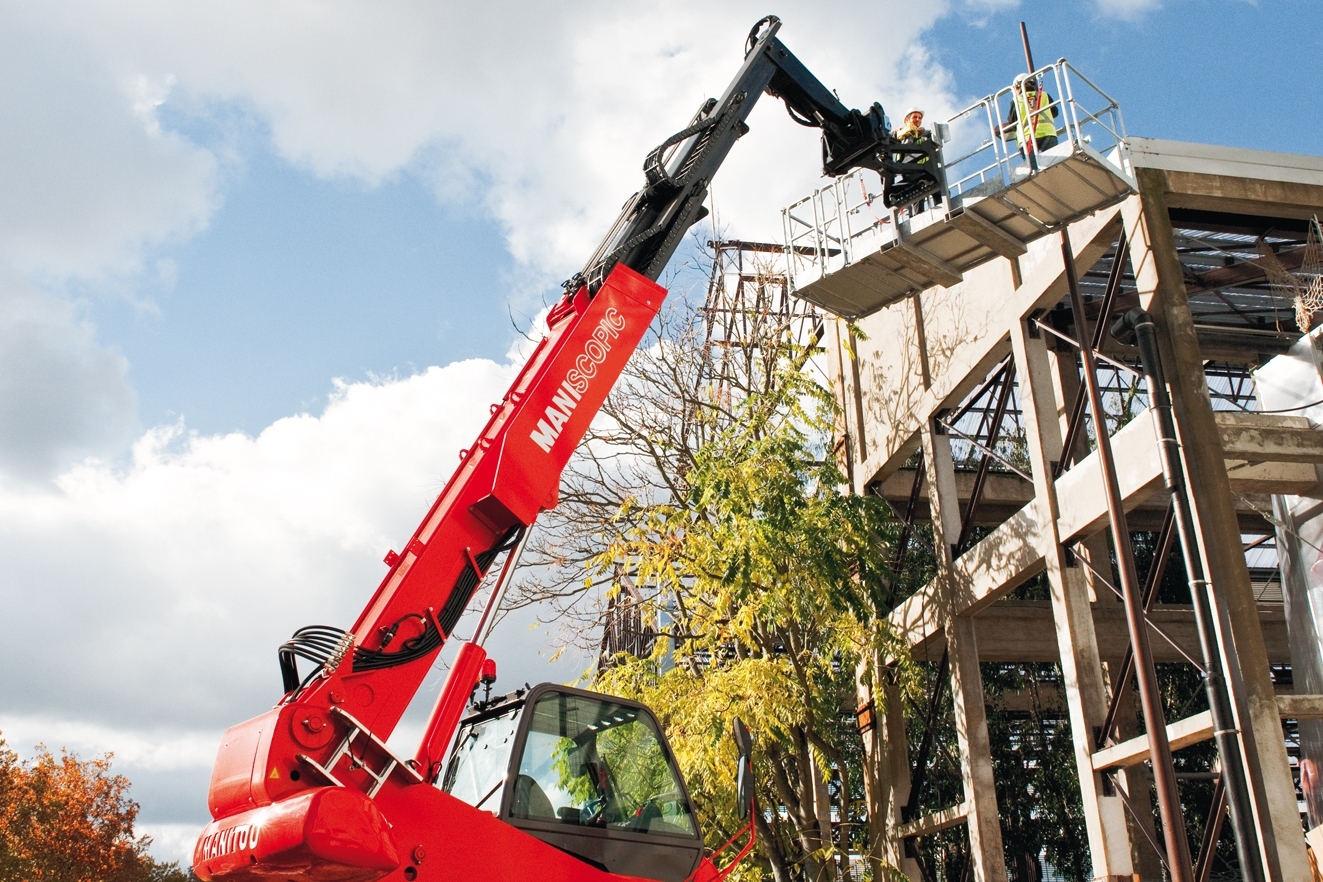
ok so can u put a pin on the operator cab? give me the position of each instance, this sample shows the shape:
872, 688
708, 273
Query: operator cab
590, 774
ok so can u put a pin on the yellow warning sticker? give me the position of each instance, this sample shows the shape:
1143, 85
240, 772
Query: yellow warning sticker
275, 773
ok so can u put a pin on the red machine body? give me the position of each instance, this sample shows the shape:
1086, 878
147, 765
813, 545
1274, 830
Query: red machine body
274, 812
309, 790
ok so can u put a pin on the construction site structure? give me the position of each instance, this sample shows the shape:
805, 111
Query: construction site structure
986, 397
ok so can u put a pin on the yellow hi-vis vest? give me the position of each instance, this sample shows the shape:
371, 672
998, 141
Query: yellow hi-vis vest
1043, 125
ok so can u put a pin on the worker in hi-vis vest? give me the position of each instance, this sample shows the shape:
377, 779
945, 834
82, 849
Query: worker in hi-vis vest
1034, 105
912, 131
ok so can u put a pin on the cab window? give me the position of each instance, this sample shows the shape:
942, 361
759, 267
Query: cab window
478, 763
592, 763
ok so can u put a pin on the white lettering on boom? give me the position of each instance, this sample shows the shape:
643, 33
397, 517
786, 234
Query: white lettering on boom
571, 389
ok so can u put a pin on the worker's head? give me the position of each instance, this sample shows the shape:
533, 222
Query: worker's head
1031, 84
914, 117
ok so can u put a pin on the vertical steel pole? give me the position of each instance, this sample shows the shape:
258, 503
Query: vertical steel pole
1030, 125
1225, 732
1164, 773
1028, 56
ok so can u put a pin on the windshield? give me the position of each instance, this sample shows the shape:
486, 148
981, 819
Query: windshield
477, 767
595, 763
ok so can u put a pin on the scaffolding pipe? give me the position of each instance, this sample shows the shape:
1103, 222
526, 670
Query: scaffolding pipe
1028, 56
1138, 324
1164, 773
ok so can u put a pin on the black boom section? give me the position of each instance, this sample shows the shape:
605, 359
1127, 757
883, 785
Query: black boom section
679, 170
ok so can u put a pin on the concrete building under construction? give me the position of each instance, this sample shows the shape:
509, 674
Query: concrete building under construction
1100, 344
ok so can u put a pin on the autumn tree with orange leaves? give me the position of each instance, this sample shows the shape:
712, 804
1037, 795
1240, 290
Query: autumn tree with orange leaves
63, 819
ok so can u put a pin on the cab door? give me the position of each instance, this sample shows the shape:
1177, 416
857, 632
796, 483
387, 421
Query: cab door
593, 775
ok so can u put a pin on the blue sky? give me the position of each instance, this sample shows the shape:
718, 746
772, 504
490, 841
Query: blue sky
299, 278
1230, 72
261, 267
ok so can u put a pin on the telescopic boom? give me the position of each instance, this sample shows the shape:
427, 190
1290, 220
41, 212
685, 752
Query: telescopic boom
308, 790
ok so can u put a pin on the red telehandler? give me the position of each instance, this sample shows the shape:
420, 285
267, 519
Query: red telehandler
552, 783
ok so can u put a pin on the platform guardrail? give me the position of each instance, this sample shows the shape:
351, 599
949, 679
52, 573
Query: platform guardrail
845, 220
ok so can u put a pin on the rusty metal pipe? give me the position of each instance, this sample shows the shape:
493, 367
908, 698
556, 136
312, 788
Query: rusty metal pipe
1164, 773
1139, 323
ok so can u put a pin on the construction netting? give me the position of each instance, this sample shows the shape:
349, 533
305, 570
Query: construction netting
1303, 283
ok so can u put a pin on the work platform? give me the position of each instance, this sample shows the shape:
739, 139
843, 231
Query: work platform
958, 369
852, 258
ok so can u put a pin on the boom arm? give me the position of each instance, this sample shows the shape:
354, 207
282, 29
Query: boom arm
330, 726
654, 220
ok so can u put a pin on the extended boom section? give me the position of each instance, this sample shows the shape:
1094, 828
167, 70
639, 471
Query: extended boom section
272, 772
309, 790
679, 171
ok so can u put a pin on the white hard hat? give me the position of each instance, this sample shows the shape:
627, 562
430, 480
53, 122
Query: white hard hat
918, 110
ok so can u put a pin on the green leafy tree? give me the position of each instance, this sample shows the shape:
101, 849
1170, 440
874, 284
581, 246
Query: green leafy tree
67, 820
707, 468
772, 580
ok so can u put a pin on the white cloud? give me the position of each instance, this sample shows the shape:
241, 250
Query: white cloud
546, 111
1128, 10
153, 748
161, 590
62, 395
90, 177
172, 842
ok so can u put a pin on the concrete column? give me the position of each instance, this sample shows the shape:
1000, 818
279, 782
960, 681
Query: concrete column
971, 722
898, 754
1077, 645
1161, 287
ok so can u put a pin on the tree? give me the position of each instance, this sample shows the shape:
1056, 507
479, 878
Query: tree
772, 579
67, 820
709, 487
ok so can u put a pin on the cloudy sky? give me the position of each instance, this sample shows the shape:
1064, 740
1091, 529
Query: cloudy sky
263, 265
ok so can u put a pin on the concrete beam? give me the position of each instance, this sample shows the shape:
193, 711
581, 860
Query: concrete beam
1268, 458
1181, 733
1003, 559
1138, 471
980, 576
985, 232
1005, 494
1269, 438
933, 822
1243, 195
1023, 631
1300, 707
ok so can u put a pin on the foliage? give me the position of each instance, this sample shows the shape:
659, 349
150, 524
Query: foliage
1033, 759
1038, 798
704, 479
772, 579
67, 820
